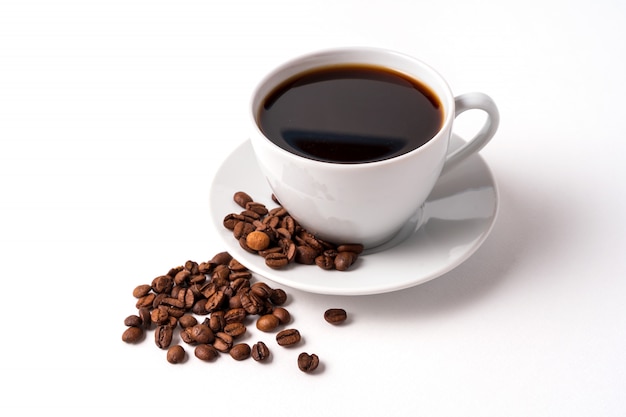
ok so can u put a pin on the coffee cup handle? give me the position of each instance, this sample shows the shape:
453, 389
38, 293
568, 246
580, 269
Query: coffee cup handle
473, 101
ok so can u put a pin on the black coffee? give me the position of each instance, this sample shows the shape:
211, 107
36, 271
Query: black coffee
351, 114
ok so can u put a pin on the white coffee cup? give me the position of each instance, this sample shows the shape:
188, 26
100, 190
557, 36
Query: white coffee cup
366, 202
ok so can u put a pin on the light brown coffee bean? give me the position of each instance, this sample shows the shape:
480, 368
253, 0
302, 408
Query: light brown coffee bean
288, 337
335, 315
308, 363
176, 354
132, 335
283, 315
240, 351
141, 290
267, 323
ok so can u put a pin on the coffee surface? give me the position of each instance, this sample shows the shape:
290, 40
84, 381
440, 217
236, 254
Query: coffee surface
351, 114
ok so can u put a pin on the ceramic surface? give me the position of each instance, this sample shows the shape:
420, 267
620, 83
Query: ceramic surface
455, 220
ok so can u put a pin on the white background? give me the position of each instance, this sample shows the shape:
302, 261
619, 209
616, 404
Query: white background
115, 115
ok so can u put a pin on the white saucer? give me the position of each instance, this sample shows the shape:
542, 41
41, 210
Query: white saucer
457, 218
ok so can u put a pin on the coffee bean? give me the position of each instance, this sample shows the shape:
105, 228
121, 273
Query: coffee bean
351, 247
344, 260
144, 313
201, 333
267, 322
235, 329
335, 315
276, 260
288, 337
308, 363
305, 255
176, 354
163, 336
133, 321
206, 352
283, 315
240, 351
187, 321
132, 335
260, 352
141, 290
242, 198
223, 342
278, 297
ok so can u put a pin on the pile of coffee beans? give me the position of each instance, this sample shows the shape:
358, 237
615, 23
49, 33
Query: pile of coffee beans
280, 240
208, 306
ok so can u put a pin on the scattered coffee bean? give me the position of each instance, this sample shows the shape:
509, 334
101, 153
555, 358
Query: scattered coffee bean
288, 337
133, 321
335, 315
163, 336
267, 322
176, 354
260, 352
206, 352
132, 335
240, 351
282, 314
308, 363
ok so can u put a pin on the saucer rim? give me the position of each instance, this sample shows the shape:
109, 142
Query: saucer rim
251, 261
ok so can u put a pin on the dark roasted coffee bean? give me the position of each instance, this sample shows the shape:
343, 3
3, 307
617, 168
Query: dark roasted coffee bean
282, 314
306, 255
146, 320
335, 315
162, 284
240, 351
223, 342
258, 208
250, 302
186, 336
276, 260
187, 321
344, 260
325, 262
215, 301
235, 329
201, 333
308, 363
351, 247
217, 321
206, 352
132, 334
288, 337
133, 321
267, 323
159, 315
260, 352
242, 230
163, 336
141, 290
222, 258
242, 198
145, 301
235, 315
176, 354
278, 297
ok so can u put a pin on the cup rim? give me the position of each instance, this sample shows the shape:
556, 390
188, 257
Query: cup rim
307, 62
